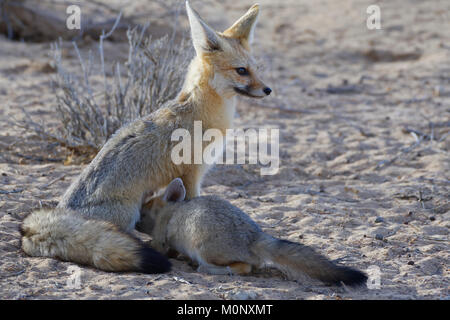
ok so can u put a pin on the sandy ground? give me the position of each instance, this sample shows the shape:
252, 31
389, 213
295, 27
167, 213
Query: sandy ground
353, 182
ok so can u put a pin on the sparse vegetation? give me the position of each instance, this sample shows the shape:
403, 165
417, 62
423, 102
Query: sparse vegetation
89, 114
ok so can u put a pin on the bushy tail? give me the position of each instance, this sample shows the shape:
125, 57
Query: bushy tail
65, 235
294, 258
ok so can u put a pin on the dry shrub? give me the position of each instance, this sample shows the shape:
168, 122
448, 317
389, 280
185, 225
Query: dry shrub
89, 114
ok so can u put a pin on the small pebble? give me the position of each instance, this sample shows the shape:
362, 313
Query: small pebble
379, 220
243, 295
379, 236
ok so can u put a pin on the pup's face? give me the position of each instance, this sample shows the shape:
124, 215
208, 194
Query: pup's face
152, 212
149, 213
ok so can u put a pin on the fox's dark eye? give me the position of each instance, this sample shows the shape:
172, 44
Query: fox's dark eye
242, 71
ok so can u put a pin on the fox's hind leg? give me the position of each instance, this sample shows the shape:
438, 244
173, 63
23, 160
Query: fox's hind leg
239, 268
217, 270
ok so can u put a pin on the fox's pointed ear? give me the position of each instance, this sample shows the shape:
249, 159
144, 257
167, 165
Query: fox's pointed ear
243, 28
175, 191
203, 36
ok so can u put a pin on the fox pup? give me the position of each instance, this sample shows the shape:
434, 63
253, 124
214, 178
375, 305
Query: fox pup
222, 239
93, 221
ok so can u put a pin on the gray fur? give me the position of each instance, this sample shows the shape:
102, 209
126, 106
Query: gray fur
217, 235
135, 161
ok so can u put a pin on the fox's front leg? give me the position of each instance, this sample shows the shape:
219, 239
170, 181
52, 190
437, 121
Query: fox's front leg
193, 179
192, 185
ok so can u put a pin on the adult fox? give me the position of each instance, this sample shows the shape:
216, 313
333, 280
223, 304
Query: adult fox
93, 221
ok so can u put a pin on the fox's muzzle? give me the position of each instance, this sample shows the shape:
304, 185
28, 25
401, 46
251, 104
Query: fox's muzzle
246, 91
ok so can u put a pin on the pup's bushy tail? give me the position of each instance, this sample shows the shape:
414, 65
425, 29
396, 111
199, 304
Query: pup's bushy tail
293, 258
65, 235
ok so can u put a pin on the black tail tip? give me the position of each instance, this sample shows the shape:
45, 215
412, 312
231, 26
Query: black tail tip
351, 277
344, 275
153, 262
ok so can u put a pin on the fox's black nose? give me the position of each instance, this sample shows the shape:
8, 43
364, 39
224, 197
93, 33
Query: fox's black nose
267, 90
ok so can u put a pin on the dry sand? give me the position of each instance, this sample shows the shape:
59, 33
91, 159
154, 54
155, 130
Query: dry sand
353, 183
